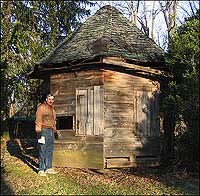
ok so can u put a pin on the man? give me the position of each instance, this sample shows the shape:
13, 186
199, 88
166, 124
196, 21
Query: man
45, 126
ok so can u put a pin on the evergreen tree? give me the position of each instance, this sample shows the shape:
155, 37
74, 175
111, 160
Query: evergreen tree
183, 92
29, 30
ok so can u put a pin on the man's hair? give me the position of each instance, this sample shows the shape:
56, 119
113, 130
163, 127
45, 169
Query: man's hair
49, 95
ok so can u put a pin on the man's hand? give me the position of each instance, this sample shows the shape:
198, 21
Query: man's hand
38, 135
56, 135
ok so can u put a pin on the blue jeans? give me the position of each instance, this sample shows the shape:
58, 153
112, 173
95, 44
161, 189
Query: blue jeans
46, 150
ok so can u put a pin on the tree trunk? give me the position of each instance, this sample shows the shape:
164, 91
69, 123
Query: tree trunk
169, 127
170, 11
153, 14
133, 9
146, 28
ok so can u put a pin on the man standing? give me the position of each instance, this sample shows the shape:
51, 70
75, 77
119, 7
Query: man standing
45, 126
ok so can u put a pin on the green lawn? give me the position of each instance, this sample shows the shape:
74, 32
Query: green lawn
19, 177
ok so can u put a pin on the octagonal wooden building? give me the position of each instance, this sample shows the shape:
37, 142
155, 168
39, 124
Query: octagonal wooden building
106, 81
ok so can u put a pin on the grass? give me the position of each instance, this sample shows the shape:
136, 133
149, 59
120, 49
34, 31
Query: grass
20, 179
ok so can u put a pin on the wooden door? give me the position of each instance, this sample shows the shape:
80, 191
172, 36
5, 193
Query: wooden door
147, 113
89, 111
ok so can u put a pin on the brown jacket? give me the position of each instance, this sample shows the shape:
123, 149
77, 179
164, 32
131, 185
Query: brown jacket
45, 117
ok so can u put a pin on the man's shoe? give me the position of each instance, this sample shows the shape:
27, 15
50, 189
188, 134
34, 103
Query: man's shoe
51, 171
41, 173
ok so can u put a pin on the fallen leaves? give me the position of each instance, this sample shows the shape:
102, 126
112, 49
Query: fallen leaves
21, 178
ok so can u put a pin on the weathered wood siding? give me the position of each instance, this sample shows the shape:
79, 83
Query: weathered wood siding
79, 152
74, 149
131, 126
64, 87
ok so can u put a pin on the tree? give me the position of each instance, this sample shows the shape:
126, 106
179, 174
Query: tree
183, 91
153, 20
169, 10
29, 30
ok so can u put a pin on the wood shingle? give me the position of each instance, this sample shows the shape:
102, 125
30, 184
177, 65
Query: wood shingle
107, 33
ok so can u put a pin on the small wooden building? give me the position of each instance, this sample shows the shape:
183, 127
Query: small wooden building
106, 81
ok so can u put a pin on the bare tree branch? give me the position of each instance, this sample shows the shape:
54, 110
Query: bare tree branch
170, 13
153, 16
191, 7
188, 14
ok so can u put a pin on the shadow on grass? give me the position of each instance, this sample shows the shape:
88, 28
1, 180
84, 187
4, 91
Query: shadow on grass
5, 187
26, 150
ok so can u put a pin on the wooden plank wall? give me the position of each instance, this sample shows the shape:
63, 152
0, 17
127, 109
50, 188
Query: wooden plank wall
79, 152
119, 122
71, 150
122, 117
64, 87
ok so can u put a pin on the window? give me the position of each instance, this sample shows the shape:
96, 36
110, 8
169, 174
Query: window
64, 122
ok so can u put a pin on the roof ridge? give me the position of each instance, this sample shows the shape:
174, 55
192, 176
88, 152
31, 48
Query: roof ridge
111, 26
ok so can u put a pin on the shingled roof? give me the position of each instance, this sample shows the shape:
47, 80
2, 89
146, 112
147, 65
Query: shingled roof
107, 33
